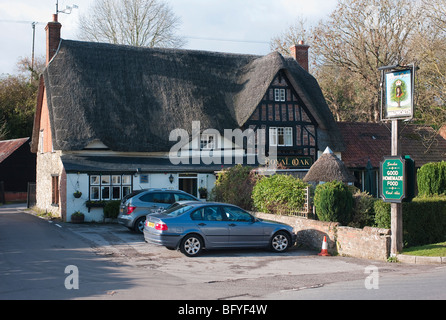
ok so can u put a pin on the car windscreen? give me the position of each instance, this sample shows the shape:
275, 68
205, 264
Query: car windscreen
177, 210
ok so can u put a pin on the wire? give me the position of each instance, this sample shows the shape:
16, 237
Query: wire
226, 40
27, 22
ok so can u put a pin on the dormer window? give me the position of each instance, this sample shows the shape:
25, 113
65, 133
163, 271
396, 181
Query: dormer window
279, 95
208, 142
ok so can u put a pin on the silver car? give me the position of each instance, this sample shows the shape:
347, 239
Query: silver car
134, 209
193, 226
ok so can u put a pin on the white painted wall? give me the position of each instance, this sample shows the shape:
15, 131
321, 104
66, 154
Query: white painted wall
79, 181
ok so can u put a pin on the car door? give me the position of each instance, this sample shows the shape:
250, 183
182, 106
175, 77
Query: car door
209, 220
243, 229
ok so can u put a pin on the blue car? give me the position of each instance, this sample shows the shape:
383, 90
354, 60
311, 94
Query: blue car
194, 226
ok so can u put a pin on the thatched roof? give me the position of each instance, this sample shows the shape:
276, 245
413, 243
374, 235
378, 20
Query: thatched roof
329, 168
131, 98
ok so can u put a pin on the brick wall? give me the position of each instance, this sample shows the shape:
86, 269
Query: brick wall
368, 243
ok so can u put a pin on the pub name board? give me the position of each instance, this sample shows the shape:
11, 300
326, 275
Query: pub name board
291, 162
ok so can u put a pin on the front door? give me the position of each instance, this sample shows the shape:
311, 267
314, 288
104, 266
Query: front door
188, 182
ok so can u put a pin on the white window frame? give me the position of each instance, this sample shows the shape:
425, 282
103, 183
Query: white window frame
208, 141
279, 95
276, 134
102, 187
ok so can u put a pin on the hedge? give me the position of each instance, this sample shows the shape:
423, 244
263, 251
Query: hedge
424, 220
279, 194
431, 179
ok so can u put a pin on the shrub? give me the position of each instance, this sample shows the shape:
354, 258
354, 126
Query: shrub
333, 202
424, 220
234, 186
431, 179
382, 214
363, 210
111, 209
279, 194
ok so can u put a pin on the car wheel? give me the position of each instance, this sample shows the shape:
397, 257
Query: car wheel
280, 241
191, 245
139, 225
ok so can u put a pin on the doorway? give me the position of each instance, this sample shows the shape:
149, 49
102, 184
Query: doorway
188, 182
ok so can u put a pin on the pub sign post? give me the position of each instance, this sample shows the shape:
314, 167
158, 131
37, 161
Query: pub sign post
397, 103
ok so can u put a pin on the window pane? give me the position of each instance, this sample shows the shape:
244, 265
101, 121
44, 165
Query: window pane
126, 179
126, 191
94, 193
288, 136
197, 214
212, 214
105, 179
273, 136
116, 179
276, 94
148, 197
94, 180
235, 214
116, 193
280, 137
180, 197
105, 193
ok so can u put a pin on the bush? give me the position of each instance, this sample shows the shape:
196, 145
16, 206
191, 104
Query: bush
424, 220
333, 202
363, 210
279, 194
431, 179
111, 209
382, 214
234, 186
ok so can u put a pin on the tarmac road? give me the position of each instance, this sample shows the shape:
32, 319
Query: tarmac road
113, 263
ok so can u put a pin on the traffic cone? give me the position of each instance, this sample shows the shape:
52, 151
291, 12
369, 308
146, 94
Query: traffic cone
324, 251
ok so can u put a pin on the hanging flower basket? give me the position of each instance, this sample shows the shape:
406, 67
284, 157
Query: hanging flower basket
77, 194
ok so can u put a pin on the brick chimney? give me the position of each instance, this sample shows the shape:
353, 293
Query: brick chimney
442, 131
52, 38
300, 53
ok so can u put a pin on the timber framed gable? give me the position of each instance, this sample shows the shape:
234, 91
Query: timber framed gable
287, 121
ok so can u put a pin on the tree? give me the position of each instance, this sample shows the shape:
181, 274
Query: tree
17, 106
359, 37
363, 35
295, 33
430, 50
148, 23
18, 96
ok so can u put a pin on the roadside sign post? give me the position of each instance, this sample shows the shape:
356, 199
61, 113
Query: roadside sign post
397, 103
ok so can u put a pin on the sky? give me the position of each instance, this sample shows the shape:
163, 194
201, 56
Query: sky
238, 26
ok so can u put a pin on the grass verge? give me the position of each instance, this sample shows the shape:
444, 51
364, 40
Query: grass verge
429, 250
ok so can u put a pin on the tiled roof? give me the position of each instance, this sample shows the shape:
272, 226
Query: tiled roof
372, 141
7, 147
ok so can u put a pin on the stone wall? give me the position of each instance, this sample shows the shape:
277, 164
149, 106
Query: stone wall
368, 243
48, 164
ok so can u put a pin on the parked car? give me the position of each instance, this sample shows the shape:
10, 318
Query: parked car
193, 226
134, 209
